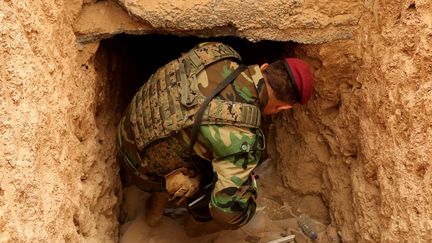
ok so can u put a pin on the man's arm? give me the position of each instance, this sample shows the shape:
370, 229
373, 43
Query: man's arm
236, 152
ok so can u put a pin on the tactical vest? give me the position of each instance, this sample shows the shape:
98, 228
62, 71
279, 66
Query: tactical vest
169, 100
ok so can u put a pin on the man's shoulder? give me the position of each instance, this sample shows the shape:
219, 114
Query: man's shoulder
242, 90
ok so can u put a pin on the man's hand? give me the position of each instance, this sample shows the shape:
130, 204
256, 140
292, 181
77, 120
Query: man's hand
181, 185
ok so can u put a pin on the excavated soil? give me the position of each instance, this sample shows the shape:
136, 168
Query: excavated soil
356, 158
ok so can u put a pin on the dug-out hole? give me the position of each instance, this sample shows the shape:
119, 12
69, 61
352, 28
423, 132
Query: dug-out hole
123, 63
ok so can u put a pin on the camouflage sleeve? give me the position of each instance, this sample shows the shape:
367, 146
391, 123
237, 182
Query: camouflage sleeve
236, 152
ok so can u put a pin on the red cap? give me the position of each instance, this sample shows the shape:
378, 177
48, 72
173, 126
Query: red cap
302, 76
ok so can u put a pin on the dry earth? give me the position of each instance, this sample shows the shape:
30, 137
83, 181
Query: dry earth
357, 158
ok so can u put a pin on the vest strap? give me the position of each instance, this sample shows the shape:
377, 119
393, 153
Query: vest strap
228, 112
199, 114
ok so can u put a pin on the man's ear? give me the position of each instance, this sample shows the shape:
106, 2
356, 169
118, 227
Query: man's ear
283, 107
264, 66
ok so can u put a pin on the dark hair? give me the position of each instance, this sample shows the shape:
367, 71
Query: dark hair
278, 78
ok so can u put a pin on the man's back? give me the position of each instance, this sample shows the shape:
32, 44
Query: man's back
232, 148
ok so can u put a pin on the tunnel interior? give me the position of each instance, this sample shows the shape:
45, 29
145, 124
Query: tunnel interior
123, 63
127, 61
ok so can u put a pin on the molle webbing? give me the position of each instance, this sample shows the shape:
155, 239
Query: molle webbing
170, 98
205, 54
226, 112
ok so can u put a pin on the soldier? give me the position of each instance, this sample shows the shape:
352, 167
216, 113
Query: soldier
192, 135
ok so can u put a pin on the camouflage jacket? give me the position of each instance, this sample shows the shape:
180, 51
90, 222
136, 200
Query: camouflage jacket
234, 151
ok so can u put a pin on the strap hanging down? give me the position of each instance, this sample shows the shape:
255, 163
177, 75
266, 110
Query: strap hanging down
199, 114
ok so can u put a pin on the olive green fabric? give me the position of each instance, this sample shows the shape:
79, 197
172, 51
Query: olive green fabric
232, 146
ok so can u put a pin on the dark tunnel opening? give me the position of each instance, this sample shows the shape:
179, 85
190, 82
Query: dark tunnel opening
127, 61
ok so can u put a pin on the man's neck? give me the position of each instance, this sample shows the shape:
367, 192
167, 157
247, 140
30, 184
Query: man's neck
262, 94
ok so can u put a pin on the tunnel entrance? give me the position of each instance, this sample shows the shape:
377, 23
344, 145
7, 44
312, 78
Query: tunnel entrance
123, 63
127, 61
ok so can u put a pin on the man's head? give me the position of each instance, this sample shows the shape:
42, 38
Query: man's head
288, 82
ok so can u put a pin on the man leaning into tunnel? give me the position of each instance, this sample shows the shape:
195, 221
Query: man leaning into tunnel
191, 135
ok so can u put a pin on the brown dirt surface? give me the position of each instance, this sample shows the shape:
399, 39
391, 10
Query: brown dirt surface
275, 218
57, 179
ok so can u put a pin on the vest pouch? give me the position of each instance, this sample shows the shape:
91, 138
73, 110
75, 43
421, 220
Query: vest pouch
188, 95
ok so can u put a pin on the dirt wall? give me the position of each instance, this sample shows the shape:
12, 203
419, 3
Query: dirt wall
314, 145
392, 181
364, 140
356, 157
57, 177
